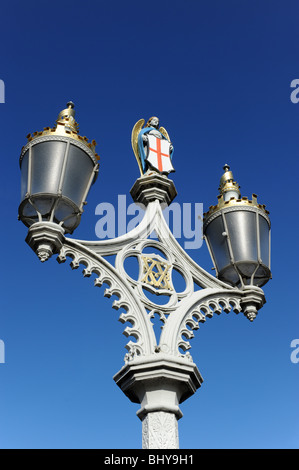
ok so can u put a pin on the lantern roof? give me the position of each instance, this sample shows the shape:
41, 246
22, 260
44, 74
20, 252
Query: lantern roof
227, 184
66, 126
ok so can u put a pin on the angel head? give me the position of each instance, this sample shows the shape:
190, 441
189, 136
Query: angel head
153, 122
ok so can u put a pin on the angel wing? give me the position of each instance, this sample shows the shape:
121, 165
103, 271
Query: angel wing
165, 133
134, 140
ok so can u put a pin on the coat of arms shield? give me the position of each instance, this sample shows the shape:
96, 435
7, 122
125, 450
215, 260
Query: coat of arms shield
159, 154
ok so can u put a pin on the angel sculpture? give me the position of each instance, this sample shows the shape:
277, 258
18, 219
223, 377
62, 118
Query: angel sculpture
152, 147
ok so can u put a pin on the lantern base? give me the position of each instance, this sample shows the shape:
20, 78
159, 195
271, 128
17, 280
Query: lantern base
252, 301
45, 239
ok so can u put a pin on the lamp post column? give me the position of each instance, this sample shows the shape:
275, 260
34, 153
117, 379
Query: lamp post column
159, 383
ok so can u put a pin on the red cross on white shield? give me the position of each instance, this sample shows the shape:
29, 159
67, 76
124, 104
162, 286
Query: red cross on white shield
159, 154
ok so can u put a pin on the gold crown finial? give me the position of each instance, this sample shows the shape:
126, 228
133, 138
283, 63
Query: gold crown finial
227, 184
66, 126
230, 195
67, 117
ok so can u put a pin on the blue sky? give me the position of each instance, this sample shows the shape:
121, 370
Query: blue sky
218, 76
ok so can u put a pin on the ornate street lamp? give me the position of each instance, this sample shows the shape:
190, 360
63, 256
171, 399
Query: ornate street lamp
58, 168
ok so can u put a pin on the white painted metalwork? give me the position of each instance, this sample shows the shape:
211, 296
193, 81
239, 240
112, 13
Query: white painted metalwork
158, 371
181, 316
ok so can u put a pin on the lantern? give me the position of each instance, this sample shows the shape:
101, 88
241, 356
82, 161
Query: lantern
58, 167
237, 232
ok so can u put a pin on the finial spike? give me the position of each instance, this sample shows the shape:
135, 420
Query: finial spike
228, 187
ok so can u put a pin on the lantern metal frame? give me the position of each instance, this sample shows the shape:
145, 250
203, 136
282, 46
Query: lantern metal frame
58, 197
69, 147
233, 261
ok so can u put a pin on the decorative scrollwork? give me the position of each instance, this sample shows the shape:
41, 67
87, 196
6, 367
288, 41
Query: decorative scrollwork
180, 326
184, 310
202, 311
161, 279
141, 328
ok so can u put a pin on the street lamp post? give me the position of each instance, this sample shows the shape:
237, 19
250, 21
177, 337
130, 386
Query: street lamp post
57, 169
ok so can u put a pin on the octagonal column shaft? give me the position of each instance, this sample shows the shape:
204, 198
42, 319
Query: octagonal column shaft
159, 383
160, 431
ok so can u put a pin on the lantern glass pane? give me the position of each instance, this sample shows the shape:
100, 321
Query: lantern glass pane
243, 234
70, 224
264, 240
28, 210
47, 161
218, 243
63, 210
79, 168
24, 175
43, 204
